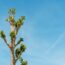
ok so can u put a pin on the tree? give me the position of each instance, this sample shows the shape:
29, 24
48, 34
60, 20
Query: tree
16, 48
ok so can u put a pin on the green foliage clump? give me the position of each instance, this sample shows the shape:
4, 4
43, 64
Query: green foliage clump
19, 22
12, 34
10, 19
22, 47
20, 40
17, 52
24, 63
12, 11
20, 50
2, 35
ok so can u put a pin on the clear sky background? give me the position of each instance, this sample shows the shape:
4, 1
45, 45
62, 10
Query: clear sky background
43, 31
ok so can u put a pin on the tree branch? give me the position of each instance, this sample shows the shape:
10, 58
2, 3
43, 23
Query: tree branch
17, 58
20, 40
6, 42
19, 23
3, 36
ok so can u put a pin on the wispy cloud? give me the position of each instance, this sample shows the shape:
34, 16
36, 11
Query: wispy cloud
56, 43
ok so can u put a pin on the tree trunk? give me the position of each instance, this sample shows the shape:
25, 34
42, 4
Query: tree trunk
12, 44
12, 57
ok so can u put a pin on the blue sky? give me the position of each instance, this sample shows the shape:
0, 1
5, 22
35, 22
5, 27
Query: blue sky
43, 30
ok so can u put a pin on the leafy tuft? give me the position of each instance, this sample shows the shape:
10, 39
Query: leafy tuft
2, 35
